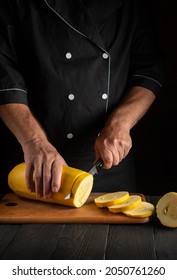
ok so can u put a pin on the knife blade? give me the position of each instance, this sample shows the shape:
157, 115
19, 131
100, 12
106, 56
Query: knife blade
97, 165
93, 171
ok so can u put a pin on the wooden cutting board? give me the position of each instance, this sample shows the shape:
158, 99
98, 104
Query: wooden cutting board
15, 210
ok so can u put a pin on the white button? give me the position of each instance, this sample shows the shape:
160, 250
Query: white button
69, 135
68, 55
105, 55
104, 96
71, 96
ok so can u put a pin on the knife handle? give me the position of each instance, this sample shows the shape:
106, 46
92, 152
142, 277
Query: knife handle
99, 163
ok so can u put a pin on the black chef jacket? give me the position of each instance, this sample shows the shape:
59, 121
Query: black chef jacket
71, 62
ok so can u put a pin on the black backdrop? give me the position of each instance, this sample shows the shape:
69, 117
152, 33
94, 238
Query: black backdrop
155, 136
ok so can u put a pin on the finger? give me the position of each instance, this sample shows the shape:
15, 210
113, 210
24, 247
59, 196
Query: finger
124, 150
118, 155
38, 179
121, 150
29, 177
116, 159
56, 176
97, 155
107, 157
47, 178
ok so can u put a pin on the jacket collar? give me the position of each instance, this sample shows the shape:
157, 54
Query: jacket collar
78, 17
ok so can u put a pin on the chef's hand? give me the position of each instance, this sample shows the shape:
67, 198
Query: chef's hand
42, 160
112, 145
114, 141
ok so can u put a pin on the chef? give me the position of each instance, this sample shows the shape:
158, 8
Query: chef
75, 78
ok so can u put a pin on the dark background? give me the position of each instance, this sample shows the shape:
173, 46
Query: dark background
155, 136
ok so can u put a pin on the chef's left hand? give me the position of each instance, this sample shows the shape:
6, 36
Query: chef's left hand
112, 145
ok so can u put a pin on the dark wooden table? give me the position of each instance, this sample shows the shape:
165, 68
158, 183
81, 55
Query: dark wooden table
150, 241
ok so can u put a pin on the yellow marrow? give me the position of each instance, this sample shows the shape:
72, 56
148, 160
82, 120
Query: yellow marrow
110, 199
143, 210
166, 209
77, 182
130, 203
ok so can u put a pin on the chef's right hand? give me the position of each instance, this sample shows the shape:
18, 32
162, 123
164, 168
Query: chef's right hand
44, 161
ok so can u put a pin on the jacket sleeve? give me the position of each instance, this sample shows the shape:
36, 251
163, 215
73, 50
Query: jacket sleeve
12, 84
147, 63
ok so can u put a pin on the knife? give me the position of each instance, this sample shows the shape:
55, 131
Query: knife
93, 171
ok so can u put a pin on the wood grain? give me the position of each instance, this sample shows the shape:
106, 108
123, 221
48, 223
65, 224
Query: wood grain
32, 241
131, 242
82, 241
